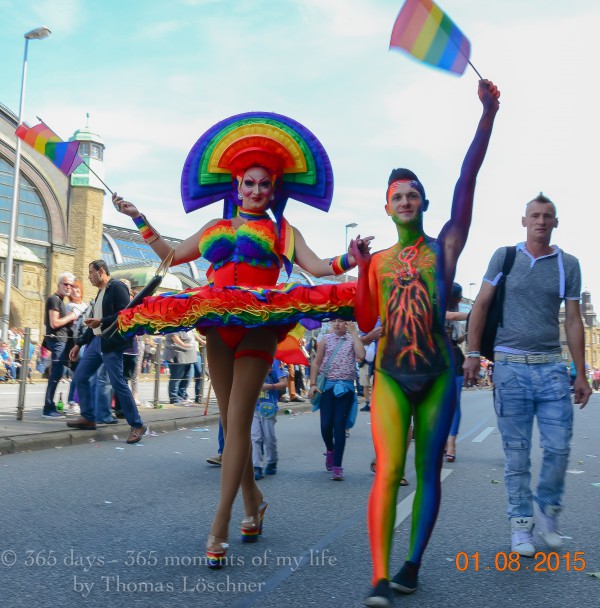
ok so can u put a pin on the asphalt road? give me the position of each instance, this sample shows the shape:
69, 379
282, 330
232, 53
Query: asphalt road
120, 526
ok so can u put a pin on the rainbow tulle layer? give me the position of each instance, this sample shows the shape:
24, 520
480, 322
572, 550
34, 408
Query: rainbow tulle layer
239, 306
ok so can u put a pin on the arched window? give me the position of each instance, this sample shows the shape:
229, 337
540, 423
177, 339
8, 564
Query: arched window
108, 255
97, 151
33, 219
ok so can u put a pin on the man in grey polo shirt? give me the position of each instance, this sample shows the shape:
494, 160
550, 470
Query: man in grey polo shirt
530, 377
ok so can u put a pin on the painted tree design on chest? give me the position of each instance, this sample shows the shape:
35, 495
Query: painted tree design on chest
409, 275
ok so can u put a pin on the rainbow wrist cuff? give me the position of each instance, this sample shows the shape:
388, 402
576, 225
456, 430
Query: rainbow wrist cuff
340, 264
148, 233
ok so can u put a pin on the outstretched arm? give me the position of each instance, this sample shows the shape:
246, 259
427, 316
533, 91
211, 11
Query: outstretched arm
186, 251
454, 234
307, 259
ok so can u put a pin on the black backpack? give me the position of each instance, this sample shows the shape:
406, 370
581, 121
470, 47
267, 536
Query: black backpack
495, 315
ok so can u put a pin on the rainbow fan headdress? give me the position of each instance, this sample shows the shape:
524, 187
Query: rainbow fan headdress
282, 145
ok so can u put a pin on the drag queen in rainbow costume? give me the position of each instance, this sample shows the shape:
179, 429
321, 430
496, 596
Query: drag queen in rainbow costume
255, 162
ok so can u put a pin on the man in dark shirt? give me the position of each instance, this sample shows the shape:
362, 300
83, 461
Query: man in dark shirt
57, 328
113, 296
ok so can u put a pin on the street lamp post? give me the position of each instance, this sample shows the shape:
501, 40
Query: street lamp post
37, 34
471, 291
353, 225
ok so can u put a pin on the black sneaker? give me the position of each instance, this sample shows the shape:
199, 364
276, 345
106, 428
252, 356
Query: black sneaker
380, 595
271, 468
407, 578
365, 408
258, 473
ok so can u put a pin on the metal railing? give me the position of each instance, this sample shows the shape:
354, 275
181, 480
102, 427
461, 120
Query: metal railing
23, 374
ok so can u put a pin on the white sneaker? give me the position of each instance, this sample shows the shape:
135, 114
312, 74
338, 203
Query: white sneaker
547, 524
521, 536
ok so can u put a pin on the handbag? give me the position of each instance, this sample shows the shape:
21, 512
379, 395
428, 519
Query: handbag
495, 315
322, 378
266, 408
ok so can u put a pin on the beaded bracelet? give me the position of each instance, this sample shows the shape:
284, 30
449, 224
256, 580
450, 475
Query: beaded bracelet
340, 264
146, 230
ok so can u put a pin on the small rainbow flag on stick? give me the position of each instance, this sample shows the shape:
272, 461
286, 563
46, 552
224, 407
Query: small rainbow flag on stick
45, 140
429, 35
63, 154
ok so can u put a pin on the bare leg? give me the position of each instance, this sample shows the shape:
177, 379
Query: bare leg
237, 384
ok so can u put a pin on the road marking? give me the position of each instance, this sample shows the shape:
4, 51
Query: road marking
404, 507
484, 434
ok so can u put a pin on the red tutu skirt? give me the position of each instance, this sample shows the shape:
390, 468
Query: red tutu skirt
238, 306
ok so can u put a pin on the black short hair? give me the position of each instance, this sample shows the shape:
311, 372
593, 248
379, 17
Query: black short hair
100, 265
407, 174
401, 173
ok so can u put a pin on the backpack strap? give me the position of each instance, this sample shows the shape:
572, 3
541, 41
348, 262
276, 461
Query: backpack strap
509, 260
333, 354
561, 274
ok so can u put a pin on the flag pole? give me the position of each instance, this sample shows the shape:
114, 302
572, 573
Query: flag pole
476, 72
101, 180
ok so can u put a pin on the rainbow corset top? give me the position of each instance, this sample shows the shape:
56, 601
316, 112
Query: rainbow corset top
254, 243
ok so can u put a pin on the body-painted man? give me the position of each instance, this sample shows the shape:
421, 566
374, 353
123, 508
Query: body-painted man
406, 286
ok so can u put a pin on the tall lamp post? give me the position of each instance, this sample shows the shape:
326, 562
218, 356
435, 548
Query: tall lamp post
353, 225
471, 291
37, 34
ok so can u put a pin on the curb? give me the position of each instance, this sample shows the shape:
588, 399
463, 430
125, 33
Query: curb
59, 439
17, 444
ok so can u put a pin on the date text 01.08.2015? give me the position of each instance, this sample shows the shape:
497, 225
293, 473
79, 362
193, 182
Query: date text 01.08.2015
542, 562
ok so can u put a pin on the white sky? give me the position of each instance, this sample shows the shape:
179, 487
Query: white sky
155, 75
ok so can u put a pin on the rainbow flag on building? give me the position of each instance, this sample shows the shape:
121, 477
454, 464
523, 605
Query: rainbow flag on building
62, 154
424, 31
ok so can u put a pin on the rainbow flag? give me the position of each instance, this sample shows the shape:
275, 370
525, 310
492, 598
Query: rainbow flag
46, 141
429, 35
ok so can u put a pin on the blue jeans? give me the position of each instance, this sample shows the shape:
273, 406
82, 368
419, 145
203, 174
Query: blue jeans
88, 365
11, 369
72, 386
198, 378
59, 354
521, 392
178, 372
221, 438
103, 395
456, 418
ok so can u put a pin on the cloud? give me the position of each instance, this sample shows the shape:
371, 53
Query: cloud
346, 18
156, 31
65, 16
